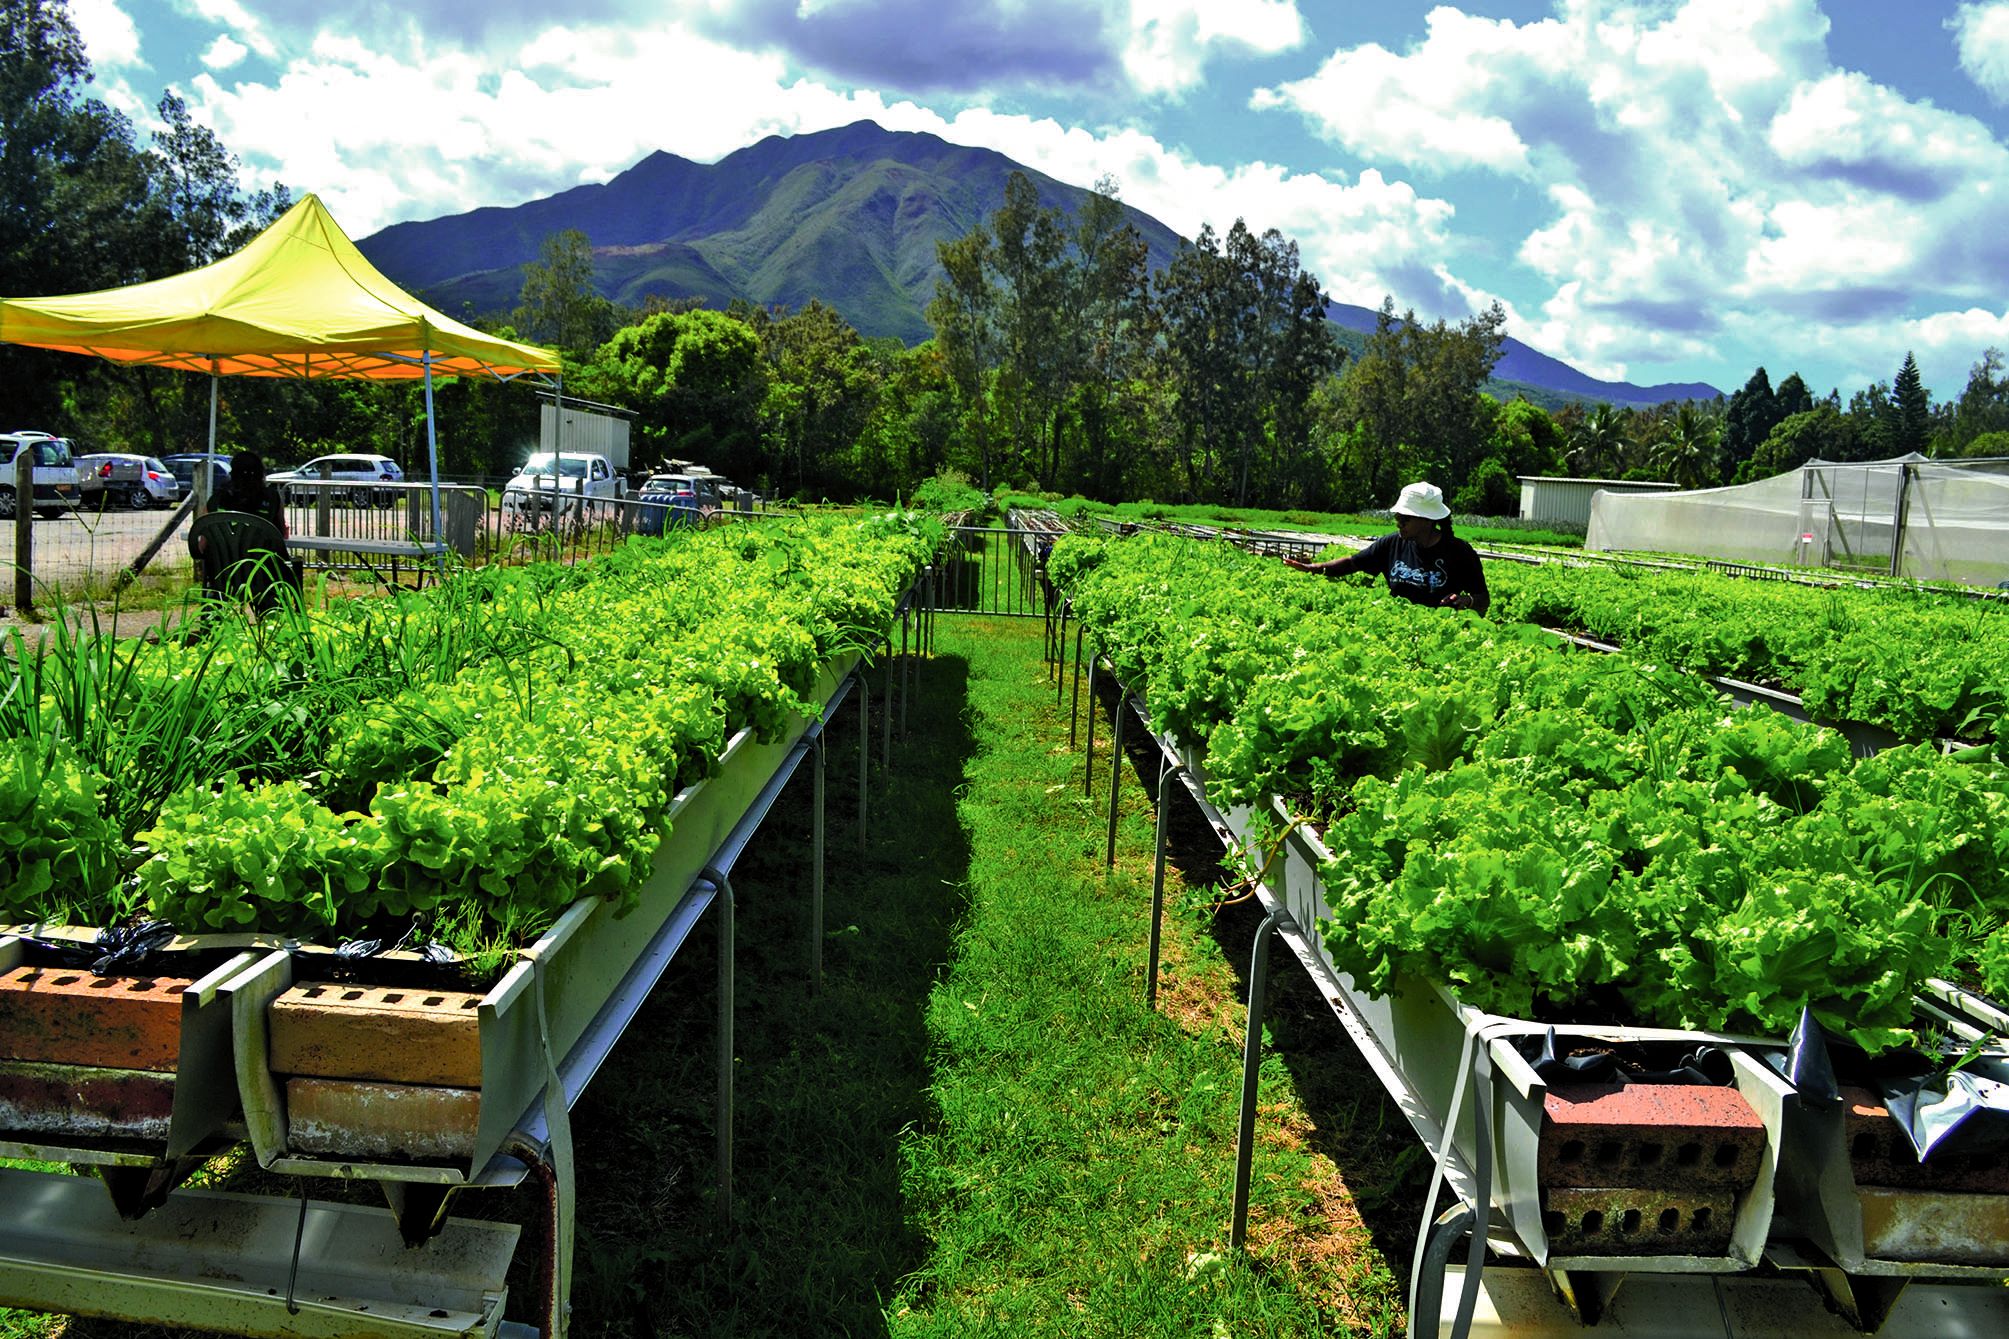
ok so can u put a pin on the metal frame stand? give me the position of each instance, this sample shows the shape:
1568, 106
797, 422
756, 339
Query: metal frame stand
1167, 775
1252, 1059
1115, 778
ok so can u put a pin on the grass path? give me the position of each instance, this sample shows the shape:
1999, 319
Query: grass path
975, 1128
1075, 1177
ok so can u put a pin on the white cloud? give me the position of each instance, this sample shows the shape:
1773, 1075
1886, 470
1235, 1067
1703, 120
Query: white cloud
1169, 41
224, 53
236, 20
111, 39
1982, 35
1706, 166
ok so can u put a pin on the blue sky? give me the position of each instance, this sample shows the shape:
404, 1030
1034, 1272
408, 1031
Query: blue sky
1661, 190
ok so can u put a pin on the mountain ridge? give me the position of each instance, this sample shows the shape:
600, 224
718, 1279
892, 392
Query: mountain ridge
850, 216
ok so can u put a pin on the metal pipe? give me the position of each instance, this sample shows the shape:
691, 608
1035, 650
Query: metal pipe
1252, 1056
886, 724
864, 748
906, 665
723, 1116
816, 871
1074, 712
1115, 776
1088, 772
1165, 779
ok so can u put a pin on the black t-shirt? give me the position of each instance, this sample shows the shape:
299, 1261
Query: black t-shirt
1424, 576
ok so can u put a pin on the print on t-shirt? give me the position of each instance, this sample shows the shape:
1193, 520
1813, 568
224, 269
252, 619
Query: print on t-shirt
1401, 573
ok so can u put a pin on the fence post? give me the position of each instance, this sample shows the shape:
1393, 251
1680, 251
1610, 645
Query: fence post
1900, 515
24, 526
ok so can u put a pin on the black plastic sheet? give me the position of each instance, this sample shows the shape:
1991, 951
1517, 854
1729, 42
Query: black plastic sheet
1704, 1065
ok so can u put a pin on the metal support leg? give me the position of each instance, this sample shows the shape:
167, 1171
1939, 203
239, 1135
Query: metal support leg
1165, 780
1252, 1058
864, 749
886, 725
1088, 772
906, 669
1060, 659
1074, 712
1427, 1307
723, 1117
816, 870
1115, 777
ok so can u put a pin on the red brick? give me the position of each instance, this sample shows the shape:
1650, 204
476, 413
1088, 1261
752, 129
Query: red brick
1648, 1134
1630, 1220
1935, 1227
71, 1016
375, 1032
380, 1120
42, 1101
1881, 1155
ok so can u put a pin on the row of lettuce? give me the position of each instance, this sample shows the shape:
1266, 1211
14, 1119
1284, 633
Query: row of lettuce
1556, 831
1918, 663
470, 759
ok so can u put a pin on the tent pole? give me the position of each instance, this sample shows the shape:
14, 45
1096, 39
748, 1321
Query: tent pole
208, 486
432, 464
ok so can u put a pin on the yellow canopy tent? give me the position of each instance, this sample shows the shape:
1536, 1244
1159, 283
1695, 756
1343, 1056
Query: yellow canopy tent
299, 300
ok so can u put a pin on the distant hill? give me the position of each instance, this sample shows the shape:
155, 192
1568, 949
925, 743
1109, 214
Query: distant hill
850, 216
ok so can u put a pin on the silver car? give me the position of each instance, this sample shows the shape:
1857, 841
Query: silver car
304, 484
114, 478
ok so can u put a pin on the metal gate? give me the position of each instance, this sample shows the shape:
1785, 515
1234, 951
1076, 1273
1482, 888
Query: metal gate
995, 570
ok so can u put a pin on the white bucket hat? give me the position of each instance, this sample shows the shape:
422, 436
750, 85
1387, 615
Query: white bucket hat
1425, 500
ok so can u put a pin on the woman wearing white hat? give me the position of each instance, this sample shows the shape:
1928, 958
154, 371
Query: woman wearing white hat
1423, 561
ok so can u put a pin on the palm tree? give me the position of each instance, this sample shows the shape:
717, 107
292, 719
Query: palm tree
1596, 445
1687, 454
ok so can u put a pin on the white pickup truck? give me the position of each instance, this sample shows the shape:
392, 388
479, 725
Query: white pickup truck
563, 481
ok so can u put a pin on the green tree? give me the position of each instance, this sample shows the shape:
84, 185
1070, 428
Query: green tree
698, 384
821, 391
1914, 408
1597, 446
1415, 392
1034, 284
1201, 299
1113, 331
1792, 396
1686, 453
1820, 433
1752, 414
559, 304
964, 315
1982, 407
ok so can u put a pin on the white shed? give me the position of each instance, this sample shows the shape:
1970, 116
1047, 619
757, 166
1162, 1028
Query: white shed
1567, 501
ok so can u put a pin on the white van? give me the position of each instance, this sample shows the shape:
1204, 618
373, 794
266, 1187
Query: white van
55, 489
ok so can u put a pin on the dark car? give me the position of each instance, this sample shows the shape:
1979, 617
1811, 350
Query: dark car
670, 500
184, 466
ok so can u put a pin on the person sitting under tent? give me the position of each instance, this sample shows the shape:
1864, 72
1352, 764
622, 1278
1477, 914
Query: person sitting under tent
240, 548
1422, 561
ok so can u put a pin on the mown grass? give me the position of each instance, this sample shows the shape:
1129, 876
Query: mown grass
975, 1127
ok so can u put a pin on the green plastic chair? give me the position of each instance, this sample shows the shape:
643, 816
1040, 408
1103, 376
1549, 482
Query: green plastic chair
241, 557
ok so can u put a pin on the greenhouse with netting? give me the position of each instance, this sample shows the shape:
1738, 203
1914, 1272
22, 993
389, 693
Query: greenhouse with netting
1909, 517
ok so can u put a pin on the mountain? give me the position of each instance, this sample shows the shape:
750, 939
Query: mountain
850, 216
